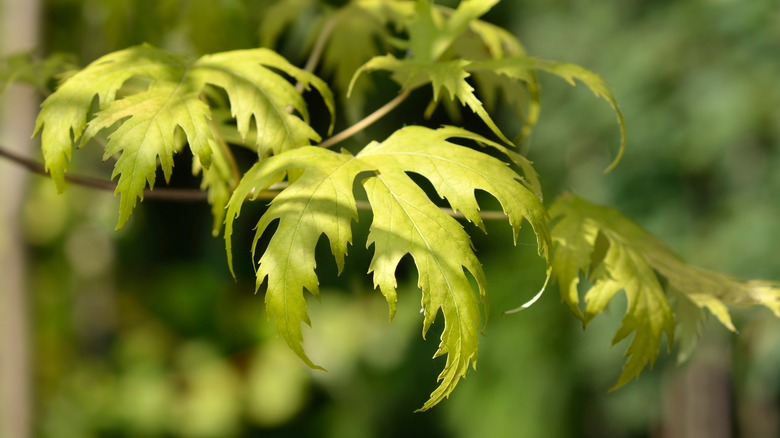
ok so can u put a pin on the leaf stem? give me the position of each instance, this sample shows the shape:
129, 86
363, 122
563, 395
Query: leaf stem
366, 121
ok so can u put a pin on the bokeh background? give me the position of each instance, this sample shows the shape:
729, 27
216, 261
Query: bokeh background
143, 332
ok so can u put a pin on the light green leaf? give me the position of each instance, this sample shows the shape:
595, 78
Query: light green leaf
449, 76
149, 123
456, 171
612, 264
522, 68
443, 44
405, 223
321, 201
486, 41
616, 254
256, 91
167, 96
63, 116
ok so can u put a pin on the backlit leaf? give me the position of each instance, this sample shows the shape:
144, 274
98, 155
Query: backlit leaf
406, 221
163, 95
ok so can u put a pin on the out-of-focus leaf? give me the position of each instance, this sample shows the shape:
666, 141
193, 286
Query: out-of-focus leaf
615, 254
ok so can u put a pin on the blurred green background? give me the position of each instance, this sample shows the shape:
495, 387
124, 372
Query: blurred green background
143, 332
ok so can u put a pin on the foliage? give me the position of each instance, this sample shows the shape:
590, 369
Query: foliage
616, 254
153, 102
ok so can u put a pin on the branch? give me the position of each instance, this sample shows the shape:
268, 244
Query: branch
366, 121
168, 194
186, 195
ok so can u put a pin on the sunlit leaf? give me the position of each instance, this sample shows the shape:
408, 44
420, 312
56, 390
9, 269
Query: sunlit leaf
321, 201
167, 97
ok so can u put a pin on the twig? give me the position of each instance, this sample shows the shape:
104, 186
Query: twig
188, 195
366, 121
167, 194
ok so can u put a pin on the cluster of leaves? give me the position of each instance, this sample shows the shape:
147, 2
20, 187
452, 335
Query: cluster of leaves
151, 103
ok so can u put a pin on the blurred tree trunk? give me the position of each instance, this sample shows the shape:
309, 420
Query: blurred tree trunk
697, 396
20, 32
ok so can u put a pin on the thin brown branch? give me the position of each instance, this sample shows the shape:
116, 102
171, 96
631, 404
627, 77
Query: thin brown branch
366, 121
187, 195
167, 194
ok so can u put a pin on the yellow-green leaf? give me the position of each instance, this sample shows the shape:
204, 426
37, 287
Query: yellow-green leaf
321, 201
615, 254
522, 68
167, 96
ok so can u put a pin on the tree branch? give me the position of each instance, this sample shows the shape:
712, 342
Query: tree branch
167, 194
187, 195
366, 121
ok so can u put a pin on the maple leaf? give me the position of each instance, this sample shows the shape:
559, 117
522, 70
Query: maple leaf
483, 50
256, 91
321, 201
485, 41
449, 76
405, 223
167, 97
430, 35
615, 254
521, 67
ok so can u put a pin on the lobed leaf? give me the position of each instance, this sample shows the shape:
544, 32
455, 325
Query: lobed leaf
405, 221
435, 32
449, 76
522, 68
63, 116
615, 254
147, 132
167, 96
256, 91
320, 201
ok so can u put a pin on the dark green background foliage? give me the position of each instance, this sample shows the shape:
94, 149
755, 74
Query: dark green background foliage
146, 334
